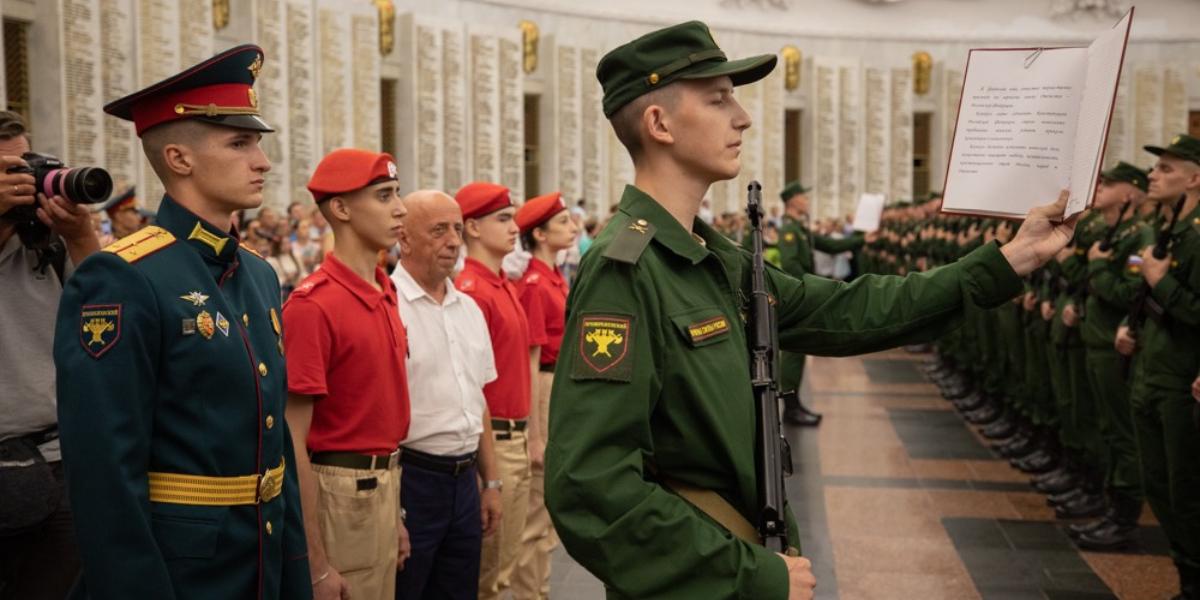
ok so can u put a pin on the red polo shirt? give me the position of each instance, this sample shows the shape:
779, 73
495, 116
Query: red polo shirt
544, 298
508, 395
346, 346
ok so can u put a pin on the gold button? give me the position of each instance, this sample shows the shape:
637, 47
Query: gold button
653, 78
269, 528
245, 319
270, 421
262, 369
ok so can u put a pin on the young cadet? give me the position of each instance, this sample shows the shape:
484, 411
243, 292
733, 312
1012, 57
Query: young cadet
1167, 359
171, 379
796, 244
491, 233
1110, 290
653, 415
347, 387
546, 229
125, 214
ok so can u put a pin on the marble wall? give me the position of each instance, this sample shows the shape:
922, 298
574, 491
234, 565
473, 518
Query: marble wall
461, 91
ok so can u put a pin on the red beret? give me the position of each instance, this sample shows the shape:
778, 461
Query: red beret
538, 210
480, 198
350, 169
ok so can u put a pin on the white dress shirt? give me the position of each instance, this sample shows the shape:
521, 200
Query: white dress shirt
449, 362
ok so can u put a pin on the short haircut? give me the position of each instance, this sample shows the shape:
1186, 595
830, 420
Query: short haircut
627, 122
185, 131
12, 125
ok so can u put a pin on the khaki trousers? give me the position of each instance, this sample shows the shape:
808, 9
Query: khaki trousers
531, 577
499, 553
359, 527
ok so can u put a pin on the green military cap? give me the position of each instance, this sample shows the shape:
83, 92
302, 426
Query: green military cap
791, 189
683, 51
1183, 145
1129, 174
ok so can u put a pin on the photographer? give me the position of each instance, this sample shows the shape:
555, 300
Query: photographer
41, 239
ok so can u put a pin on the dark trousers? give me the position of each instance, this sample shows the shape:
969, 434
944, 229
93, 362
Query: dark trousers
43, 563
444, 528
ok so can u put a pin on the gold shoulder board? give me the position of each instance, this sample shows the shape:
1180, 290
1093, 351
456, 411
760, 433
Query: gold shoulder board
145, 242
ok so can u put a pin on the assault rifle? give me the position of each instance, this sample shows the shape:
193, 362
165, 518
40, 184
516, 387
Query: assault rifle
1137, 312
774, 455
1105, 245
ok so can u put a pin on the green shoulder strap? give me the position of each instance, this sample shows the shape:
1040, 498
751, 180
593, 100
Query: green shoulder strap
630, 242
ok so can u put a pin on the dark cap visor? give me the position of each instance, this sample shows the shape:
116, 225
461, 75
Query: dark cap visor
741, 71
251, 122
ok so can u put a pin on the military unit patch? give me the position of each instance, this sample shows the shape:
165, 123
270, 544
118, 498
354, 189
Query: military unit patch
604, 341
1134, 264
789, 237
205, 325
99, 328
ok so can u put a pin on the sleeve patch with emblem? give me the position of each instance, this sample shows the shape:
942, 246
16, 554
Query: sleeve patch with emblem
99, 328
604, 341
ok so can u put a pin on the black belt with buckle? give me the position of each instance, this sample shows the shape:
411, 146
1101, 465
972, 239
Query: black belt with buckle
354, 460
508, 424
452, 465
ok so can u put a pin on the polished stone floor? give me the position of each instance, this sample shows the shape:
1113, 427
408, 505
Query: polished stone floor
897, 499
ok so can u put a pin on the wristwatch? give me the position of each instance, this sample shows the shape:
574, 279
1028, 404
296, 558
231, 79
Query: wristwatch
493, 484
403, 514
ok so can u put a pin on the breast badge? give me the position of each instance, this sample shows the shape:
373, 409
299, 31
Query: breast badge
222, 324
99, 328
196, 298
604, 342
205, 325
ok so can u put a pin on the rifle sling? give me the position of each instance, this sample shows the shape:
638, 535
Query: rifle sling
711, 504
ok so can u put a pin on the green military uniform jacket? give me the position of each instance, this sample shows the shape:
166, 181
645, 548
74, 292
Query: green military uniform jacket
170, 360
654, 378
1170, 341
796, 244
1112, 285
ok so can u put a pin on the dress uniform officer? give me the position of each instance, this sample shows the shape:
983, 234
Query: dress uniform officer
171, 380
796, 245
546, 229
125, 214
1167, 359
653, 416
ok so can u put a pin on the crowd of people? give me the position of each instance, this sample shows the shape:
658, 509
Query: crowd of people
352, 399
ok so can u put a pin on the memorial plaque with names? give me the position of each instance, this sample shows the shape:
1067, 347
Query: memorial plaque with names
1175, 102
567, 134
365, 92
195, 32
901, 155
158, 58
826, 90
771, 129
485, 107
333, 50
454, 97
301, 107
951, 94
1119, 147
122, 151
1148, 107
429, 109
81, 82
878, 148
750, 157
850, 148
592, 121
512, 117
272, 90
620, 173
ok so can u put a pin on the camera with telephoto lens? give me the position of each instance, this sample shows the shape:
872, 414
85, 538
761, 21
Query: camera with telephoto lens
81, 185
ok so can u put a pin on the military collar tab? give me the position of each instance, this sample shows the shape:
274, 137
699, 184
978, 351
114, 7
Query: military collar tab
641, 208
204, 237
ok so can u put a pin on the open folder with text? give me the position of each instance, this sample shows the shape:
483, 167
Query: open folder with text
1032, 122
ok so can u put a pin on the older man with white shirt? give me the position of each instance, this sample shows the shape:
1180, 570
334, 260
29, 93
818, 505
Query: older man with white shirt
450, 483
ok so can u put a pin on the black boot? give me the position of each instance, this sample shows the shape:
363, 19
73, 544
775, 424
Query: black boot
1118, 533
1018, 446
794, 412
1064, 480
1001, 429
1077, 529
975, 401
986, 415
1042, 461
1083, 507
1061, 499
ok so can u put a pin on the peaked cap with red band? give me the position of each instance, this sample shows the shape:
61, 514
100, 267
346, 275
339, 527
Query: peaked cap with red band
538, 210
479, 198
119, 201
219, 90
349, 169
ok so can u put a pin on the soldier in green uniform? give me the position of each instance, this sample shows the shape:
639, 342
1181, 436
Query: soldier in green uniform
1110, 288
1168, 355
650, 466
796, 245
171, 380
